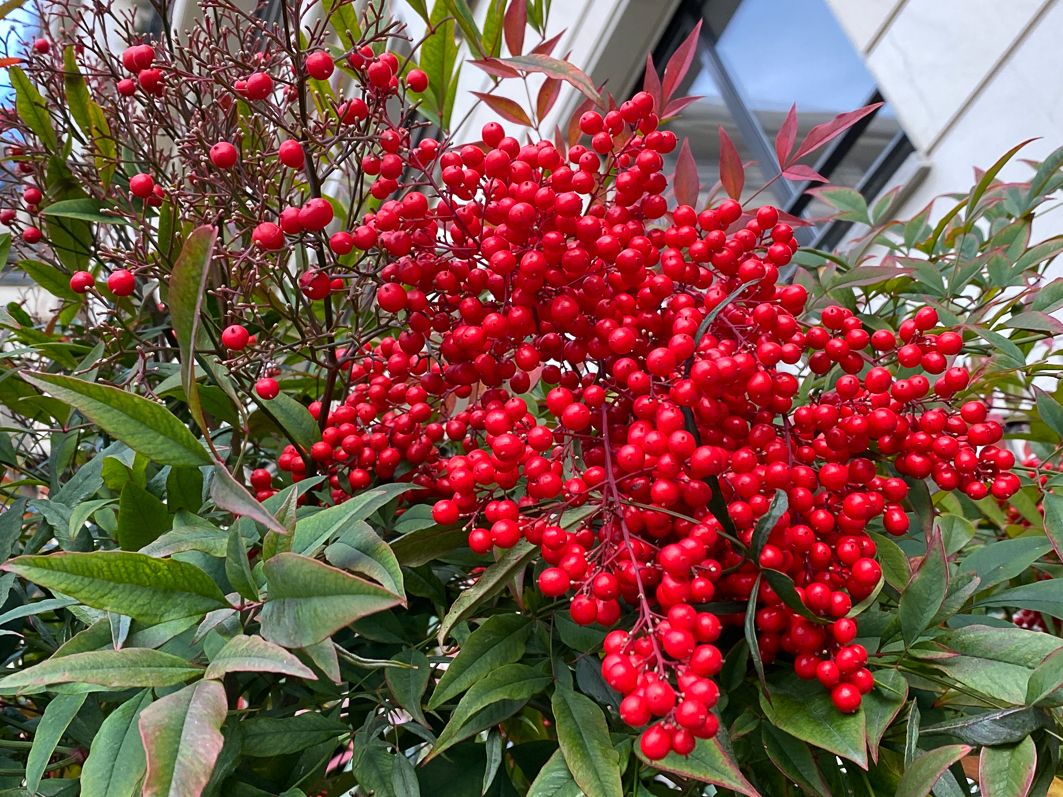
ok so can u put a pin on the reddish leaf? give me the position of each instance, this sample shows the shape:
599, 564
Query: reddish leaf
679, 63
505, 107
675, 106
559, 139
821, 134
515, 22
792, 220
787, 135
611, 103
556, 68
732, 174
548, 46
548, 94
685, 182
801, 172
6, 62
493, 66
651, 84
574, 132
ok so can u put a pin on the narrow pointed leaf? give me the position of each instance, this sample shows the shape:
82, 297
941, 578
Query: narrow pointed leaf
491, 582
182, 739
309, 601
925, 771
408, 685
129, 667
556, 68
116, 763
229, 494
504, 107
143, 425
583, 735
685, 183
786, 137
138, 586
255, 654
516, 21
1007, 771
188, 287
708, 763
53, 724
499, 641
732, 173
679, 63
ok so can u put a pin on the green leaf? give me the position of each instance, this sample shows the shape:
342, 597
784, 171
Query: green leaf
849, 201
426, 544
882, 704
1007, 771
138, 586
229, 494
188, 286
1006, 350
925, 771
31, 108
53, 724
956, 531
197, 536
295, 419
554, 780
237, 567
116, 763
408, 685
1005, 726
128, 667
516, 682
255, 654
182, 739
924, 595
583, 734
996, 662
973, 209
779, 504
361, 550
794, 759
141, 424
90, 210
499, 641
464, 16
438, 54
1003, 560
1050, 411
184, 489
1046, 679
708, 763
50, 278
804, 709
106, 148
308, 601
1040, 596
1053, 510
491, 582
142, 518
314, 531
893, 560
77, 92
404, 777
11, 5
267, 737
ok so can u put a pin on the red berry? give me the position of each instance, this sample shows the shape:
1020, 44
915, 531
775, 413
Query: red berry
846, 698
267, 388
141, 185
81, 281
121, 282
235, 337
319, 65
223, 155
417, 81
268, 236
291, 154
259, 86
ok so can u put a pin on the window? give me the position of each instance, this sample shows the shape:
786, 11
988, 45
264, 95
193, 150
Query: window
754, 59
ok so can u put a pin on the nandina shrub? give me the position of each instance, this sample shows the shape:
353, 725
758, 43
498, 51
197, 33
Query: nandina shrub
353, 455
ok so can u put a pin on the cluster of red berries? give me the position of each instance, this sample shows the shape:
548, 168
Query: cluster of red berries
670, 359
138, 59
670, 356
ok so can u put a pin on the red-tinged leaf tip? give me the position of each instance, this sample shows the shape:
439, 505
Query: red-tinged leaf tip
651, 84
556, 68
6, 62
732, 173
685, 182
821, 134
677, 105
786, 137
792, 220
505, 107
547, 47
574, 132
548, 94
799, 172
679, 63
493, 66
514, 24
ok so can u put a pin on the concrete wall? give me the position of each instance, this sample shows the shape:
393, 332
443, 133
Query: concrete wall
969, 79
